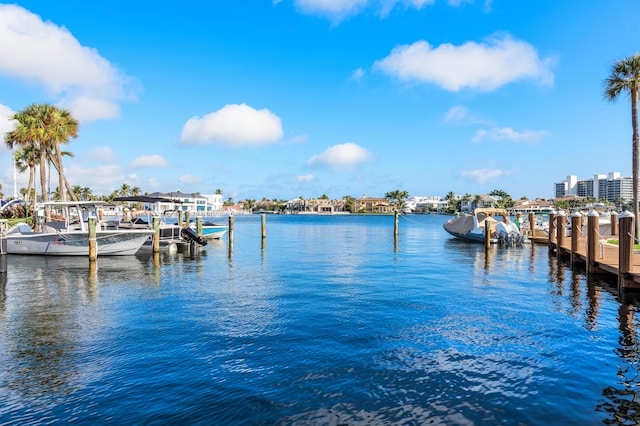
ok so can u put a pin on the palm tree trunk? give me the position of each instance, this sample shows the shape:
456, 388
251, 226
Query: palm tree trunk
43, 182
32, 173
62, 179
635, 158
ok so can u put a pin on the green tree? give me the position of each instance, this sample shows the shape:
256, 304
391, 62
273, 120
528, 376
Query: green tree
46, 127
398, 198
476, 200
349, 203
625, 77
125, 189
28, 156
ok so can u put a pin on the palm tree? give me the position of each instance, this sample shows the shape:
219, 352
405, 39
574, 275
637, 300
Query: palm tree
125, 189
625, 77
477, 199
397, 197
28, 156
46, 127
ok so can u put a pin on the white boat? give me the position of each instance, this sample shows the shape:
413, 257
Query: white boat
472, 227
171, 234
211, 231
70, 237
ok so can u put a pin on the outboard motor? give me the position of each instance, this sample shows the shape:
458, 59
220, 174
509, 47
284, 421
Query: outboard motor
192, 237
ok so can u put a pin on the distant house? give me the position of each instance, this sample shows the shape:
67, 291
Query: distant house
536, 206
372, 205
484, 201
315, 206
189, 202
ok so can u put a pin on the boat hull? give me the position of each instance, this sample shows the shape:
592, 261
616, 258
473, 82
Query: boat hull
108, 243
214, 232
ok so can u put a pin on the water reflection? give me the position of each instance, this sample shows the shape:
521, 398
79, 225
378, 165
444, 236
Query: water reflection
579, 296
622, 401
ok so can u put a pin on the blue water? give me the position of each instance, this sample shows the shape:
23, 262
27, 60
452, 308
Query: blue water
328, 322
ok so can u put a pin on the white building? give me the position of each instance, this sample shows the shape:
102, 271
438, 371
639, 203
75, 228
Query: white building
611, 187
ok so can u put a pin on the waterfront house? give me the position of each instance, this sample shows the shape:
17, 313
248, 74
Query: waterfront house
315, 206
483, 201
372, 205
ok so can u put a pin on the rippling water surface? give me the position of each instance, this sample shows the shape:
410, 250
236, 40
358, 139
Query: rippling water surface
329, 322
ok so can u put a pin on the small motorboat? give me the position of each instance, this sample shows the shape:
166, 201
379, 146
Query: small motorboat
472, 226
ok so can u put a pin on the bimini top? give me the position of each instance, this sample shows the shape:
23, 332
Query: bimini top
491, 211
147, 199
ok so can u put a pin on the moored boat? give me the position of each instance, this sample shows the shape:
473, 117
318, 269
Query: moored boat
472, 227
70, 237
210, 230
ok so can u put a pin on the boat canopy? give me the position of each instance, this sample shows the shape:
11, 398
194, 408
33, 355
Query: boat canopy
146, 199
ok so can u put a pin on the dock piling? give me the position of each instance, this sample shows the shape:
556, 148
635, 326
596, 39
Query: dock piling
576, 233
263, 221
156, 235
625, 247
593, 238
487, 234
552, 229
93, 249
561, 223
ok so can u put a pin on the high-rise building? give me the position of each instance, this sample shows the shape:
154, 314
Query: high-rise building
611, 187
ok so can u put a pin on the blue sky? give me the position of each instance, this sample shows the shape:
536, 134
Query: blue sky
290, 98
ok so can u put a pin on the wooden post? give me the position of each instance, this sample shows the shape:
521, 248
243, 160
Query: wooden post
93, 249
199, 225
614, 223
625, 248
395, 225
576, 233
230, 232
156, 234
519, 220
593, 238
560, 230
179, 217
487, 234
263, 220
187, 218
532, 224
552, 228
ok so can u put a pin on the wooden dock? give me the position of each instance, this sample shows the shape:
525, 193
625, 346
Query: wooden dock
586, 243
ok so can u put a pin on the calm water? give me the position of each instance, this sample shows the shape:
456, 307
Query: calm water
329, 323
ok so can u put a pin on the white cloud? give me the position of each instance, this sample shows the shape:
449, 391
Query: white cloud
338, 10
460, 114
305, 178
335, 9
101, 180
485, 66
481, 176
341, 157
102, 154
357, 75
301, 138
50, 56
6, 123
233, 125
508, 134
153, 160
190, 179
154, 183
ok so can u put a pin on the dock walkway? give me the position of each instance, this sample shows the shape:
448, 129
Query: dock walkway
597, 253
